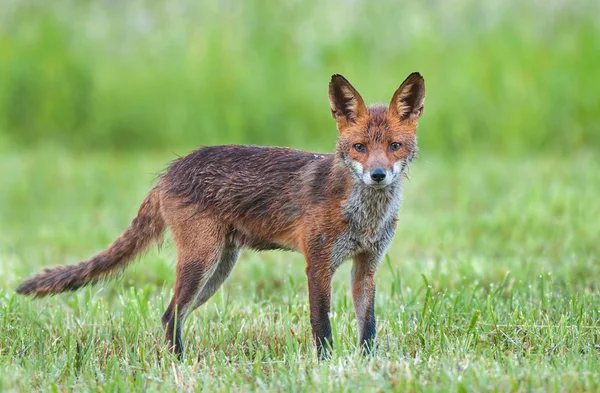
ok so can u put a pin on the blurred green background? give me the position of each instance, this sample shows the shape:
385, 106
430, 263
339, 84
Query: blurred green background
502, 76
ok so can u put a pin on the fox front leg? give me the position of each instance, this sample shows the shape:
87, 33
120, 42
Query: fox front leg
319, 294
363, 296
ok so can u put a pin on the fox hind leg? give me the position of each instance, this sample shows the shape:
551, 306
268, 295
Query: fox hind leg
229, 258
199, 250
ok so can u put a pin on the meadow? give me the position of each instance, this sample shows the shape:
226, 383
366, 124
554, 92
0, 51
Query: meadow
491, 282
490, 285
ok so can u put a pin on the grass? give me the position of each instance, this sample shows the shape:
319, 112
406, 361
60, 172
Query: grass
490, 285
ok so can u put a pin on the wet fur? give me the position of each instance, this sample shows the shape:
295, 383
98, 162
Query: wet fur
220, 199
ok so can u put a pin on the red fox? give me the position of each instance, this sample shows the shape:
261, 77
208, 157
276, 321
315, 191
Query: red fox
330, 207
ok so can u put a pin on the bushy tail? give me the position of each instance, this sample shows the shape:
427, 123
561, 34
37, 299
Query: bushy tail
145, 229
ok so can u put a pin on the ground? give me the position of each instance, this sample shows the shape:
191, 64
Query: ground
490, 285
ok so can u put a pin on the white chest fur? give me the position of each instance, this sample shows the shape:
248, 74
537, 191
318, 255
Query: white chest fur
368, 209
370, 214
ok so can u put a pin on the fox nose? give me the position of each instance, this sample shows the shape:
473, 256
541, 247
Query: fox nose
378, 175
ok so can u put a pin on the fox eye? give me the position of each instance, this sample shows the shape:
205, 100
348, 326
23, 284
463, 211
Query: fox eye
359, 147
395, 146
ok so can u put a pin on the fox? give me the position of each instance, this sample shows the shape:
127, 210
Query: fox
219, 200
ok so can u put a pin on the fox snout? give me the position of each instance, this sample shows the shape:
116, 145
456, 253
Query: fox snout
378, 175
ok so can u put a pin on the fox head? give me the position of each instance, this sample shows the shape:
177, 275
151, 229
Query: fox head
377, 143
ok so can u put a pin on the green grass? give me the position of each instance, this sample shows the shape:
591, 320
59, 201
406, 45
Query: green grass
490, 285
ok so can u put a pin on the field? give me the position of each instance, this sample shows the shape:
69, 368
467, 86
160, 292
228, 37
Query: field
490, 285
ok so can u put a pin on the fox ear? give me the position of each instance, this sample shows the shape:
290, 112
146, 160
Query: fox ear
407, 102
347, 106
